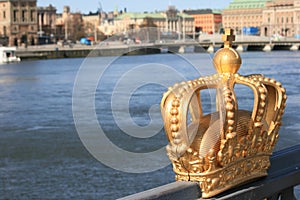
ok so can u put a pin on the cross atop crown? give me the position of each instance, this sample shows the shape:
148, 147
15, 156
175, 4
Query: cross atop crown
228, 37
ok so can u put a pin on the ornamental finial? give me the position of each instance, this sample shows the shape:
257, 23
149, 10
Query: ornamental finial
227, 59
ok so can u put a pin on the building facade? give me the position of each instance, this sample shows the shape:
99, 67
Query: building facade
69, 26
107, 26
281, 17
46, 21
91, 23
169, 21
18, 21
206, 20
179, 22
242, 14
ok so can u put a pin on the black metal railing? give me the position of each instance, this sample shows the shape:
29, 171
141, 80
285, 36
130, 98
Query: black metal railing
283, 176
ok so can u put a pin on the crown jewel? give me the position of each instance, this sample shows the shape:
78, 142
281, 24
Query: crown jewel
230, 146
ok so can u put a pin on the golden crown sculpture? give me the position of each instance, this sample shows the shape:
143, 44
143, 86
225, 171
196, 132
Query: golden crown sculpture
230, 146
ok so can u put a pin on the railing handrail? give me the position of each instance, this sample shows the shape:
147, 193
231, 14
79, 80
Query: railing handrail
284, 174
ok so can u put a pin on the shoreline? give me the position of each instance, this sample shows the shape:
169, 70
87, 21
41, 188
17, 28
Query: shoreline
53, 51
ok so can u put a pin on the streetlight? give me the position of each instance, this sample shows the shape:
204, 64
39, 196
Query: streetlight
66, 26
183, 28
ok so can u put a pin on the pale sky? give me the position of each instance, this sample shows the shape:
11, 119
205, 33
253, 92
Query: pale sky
133, 5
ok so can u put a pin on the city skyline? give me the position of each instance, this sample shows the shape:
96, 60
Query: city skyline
133, 5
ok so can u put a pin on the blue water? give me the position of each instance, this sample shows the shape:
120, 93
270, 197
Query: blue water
41, 155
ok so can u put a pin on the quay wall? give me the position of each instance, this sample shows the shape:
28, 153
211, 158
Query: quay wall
76, 52
52, 51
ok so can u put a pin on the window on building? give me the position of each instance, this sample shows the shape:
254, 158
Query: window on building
287, 20
15, 15
4, 14
32, 15
24, 15
4, 30
292, 20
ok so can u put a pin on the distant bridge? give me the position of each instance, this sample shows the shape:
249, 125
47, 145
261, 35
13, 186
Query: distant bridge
188, 47
175, 46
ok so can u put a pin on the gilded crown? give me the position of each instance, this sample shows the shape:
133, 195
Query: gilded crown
230, 146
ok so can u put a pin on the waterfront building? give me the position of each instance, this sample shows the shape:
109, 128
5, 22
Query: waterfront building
242, 14
91, 23
206, 20
46, 23
107, 26
18, 22
130, 21
169, 21
281, 17
178, 22
69, 26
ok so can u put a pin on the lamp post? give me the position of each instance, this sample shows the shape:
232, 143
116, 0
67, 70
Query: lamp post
66, 26
270, 29
213, 29
298, 24
274, 14
179, 28
183, 28
242, 22
95, 31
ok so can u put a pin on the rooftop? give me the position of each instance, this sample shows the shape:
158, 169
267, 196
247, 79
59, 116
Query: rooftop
202, 11
155, 15
136, 15
246, 4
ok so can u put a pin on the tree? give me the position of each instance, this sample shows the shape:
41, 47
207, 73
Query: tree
77, 27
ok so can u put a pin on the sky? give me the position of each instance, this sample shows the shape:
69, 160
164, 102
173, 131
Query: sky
132, 5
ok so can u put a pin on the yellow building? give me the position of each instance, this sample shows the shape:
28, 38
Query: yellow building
46, 21
281, 17
270, 17
169, 21
91, 23
241, 14
107, 26
69, 26
18, 21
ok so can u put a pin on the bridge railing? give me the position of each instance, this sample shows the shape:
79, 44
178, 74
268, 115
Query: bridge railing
283, 176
